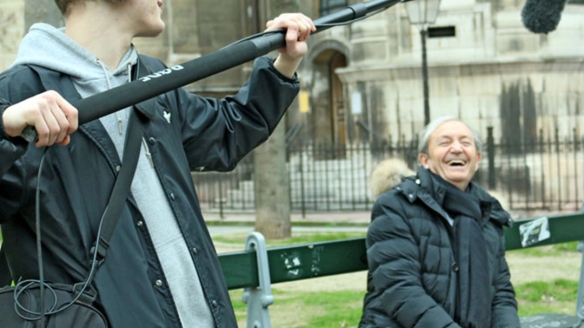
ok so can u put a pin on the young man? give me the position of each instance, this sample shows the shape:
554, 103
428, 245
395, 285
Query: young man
435, 246
161, 268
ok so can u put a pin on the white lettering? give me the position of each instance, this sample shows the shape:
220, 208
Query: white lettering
161, 73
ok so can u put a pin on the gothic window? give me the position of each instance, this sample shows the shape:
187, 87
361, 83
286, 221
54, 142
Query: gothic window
330, 6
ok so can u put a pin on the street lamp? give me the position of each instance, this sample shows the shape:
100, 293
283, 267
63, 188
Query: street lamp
423, 13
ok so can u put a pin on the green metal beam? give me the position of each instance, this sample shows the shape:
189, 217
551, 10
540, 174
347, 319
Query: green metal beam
296, 262
240, 269
563, 228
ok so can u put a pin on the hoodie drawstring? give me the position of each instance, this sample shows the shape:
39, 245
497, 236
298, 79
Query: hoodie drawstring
109, 86
119, 118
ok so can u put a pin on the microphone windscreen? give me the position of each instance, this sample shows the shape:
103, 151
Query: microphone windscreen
542, 16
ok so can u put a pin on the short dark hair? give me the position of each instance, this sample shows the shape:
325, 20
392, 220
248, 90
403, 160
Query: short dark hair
62, 4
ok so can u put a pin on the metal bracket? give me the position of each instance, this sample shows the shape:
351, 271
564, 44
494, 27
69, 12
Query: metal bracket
259, 298
580, 300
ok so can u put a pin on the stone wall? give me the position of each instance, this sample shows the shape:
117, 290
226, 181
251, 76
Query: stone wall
11, 30
492, 73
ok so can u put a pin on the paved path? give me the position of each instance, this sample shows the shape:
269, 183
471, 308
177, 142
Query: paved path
329, 218
231, 223
216, 230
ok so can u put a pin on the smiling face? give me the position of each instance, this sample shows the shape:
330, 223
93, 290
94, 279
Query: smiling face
452, 153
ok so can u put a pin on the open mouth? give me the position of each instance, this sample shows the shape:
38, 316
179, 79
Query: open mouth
457, 163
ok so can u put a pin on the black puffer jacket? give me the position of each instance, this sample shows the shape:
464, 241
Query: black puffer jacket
412, 270
77, 181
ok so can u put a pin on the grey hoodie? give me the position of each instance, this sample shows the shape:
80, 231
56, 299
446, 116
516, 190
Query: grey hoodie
49, 47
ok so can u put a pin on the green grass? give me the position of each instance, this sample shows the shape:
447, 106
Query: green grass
559, 289
303, 309
342, 308
307, 309
297, 238
336, 309
558, 296
549, 250
566, 247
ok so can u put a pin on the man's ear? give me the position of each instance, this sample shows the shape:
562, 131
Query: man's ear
423, 159
478, 161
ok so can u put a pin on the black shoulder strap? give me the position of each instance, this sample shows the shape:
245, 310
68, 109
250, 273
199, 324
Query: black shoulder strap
124, 179
5, 277
54, 81
122, 185
121, 190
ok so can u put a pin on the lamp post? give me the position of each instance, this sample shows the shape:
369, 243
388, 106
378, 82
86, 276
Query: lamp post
423, 13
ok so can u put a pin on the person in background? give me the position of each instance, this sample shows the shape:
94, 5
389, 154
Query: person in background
435, 246
161, 268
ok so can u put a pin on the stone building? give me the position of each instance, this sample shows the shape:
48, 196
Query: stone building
362, 82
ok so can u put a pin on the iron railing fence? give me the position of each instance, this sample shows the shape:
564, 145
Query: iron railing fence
542, 173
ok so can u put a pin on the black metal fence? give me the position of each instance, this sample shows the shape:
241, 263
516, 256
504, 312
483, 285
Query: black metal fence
543, 173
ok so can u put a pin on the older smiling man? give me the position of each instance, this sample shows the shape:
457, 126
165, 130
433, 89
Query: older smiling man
435, 246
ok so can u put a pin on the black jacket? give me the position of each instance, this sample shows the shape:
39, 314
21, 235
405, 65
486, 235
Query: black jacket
412, 270
77, 179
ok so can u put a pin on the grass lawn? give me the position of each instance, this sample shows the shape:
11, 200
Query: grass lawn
336, 301
340, 306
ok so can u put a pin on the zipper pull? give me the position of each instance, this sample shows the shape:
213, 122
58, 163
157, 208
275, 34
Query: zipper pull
120, 124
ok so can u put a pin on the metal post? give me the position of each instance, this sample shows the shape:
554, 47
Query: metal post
302, 199
259, 298
580, 300
423, 34
491, 158
221, 216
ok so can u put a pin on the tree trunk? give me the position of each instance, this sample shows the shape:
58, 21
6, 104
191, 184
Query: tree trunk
272, 194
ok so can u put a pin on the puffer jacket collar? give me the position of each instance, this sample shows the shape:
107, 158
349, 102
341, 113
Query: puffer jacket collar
423, 187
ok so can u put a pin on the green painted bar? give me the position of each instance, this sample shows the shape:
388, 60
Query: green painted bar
563, 228
317, 260
240, 269
296, 262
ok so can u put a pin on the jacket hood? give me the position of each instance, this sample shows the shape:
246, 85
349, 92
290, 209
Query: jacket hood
388, 174
49, 47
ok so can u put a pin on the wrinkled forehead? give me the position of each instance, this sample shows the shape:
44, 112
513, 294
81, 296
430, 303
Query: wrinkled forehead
454, 130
